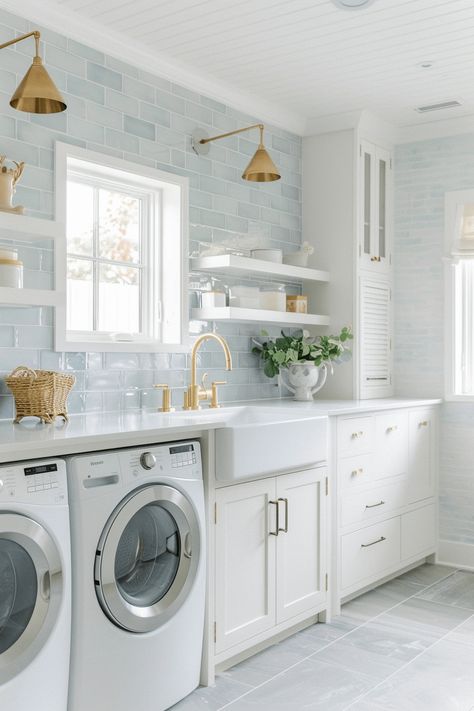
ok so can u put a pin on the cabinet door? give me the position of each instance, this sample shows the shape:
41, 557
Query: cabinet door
375, 338
367, 206
381, 245
375, 180
421, 444
392, 443
245, 561
301, 563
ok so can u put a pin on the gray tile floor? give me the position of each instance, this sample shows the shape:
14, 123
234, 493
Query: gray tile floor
405, 646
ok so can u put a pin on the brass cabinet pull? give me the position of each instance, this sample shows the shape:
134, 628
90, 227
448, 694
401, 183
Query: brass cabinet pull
285, 529
356, 435
355, 472
373, 506
375, 259
367, 545
277, 528
423, 423
392, 428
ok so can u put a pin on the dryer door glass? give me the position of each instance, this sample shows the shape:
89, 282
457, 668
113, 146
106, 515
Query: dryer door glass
147, 558
18, 591
31, 584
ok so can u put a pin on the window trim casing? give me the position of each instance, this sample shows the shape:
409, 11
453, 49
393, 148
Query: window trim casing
171, 185
454, 205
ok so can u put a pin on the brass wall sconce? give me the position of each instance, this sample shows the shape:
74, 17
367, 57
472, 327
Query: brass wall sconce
261, 168
36, 93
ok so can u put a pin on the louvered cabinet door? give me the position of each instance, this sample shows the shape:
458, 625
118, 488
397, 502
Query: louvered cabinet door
375, 338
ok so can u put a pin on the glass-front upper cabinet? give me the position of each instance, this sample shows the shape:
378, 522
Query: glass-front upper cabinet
374, 209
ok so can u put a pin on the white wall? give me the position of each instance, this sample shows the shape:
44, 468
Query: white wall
424, 172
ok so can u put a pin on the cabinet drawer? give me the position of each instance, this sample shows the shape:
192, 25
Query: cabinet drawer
365, 505
370, 551
355, 471
418, 531
391, 432
355, 436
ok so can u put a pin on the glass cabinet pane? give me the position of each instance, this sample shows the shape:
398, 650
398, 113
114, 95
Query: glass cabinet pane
367, 201
382, 208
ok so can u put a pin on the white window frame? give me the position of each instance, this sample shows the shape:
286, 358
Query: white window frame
166, 298
454, 209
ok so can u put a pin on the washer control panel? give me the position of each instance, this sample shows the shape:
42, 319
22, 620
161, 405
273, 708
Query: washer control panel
183, 455
34, 482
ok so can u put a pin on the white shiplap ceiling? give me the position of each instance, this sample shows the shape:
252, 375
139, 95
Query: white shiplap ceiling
303, 58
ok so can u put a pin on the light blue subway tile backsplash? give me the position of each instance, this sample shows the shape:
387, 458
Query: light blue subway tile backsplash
118, 109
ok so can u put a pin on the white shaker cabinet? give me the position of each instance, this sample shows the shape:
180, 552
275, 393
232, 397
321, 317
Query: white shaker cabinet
301, 551
386, 508
270, 556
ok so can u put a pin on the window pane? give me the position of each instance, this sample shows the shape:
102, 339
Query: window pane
119, 299
119, 223
80, 295
464, 327
80, 218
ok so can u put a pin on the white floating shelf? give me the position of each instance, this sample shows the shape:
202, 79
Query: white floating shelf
30, 297
230, 313
28, 229
232, 264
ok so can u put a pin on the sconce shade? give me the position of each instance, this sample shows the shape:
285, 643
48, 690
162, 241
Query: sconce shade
37, 93
261, 168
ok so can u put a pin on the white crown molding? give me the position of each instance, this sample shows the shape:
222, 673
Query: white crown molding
52, 16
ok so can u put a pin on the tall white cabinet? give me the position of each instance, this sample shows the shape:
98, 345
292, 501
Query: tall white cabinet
347, 216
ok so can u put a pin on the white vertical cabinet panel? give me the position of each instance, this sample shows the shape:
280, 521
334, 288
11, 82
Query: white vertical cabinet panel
421, 454
375, 338
391, 443
418, 532
245, 562
301, 555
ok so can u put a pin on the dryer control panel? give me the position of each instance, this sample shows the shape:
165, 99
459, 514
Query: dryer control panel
36, 482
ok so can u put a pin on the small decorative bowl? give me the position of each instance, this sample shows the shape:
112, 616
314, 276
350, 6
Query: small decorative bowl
296, 259
267, 255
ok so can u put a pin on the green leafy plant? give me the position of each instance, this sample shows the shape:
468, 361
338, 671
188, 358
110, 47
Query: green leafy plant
286, 350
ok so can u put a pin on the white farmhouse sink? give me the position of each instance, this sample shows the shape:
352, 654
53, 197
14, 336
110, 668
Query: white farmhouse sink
258, 441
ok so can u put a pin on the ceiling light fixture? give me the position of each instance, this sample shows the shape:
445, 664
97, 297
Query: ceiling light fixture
352, 4
261, 168
36, 93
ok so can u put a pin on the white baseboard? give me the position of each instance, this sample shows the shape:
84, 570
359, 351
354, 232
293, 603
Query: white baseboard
459, 555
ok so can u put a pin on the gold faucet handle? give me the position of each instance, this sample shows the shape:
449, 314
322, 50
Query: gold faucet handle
214, 392
166, 401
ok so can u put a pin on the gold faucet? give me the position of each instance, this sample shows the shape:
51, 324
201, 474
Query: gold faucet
195, 393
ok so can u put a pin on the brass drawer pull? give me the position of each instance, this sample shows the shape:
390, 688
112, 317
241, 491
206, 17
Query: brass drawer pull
373, 506
285, 529
355, 472
357, 435
367, 545
392, 428
277, 525
375, 259
423, 423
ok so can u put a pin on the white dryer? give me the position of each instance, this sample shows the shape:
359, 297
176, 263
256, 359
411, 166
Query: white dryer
35, 586
138, 555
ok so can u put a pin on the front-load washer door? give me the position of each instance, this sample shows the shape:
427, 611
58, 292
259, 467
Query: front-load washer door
147, 558
31, 583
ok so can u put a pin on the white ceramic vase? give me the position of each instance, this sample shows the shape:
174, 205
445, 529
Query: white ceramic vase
304, 379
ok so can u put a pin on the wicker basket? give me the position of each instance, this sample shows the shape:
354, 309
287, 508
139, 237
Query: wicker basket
40, 393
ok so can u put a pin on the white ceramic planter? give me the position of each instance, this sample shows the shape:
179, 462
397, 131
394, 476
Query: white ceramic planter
304, 379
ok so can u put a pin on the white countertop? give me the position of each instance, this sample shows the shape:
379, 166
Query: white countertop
31, 439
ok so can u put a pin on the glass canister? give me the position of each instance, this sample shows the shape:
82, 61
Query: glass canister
215, 295
11, 269
273, 297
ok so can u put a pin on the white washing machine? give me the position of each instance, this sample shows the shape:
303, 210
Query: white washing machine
138, 557
35, 586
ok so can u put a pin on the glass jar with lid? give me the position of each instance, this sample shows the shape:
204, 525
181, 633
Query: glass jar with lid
214, 295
